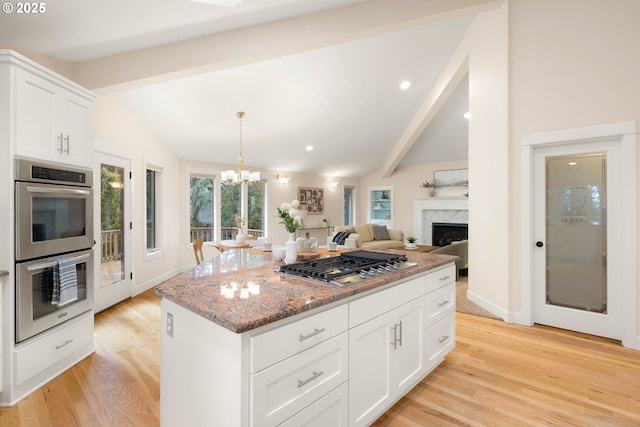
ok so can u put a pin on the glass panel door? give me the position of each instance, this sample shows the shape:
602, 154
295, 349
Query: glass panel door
576, 232
112, 224
113, 283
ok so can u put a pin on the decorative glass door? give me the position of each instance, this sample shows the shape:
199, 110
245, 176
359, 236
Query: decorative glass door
576, 232
578, 207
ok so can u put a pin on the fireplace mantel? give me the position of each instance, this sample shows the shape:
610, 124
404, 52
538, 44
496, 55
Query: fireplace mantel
421, 208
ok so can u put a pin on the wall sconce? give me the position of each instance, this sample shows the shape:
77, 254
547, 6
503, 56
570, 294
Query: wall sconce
333, 185
284, 180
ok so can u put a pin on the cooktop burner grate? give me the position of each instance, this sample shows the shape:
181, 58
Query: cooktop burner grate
346, 266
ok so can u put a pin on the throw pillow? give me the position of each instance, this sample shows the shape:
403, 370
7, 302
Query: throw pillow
380, 232
341, 236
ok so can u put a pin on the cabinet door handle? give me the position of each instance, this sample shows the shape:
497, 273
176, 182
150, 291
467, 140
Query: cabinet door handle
443, 278
443, 339
67, 141
60, 138
67, 342
397, 338
315, 375
445, 302
394, 342
315, 332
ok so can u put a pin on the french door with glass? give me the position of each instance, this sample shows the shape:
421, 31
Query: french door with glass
113, 196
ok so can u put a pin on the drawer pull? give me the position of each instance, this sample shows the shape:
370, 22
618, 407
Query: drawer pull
443, 278
315, 332
311, 378
443, 339
58, 347
445, 302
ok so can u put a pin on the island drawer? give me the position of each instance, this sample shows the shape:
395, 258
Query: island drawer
330, 410
442, 277
440, 303
281, 391
384, 301
441, 339
278, 344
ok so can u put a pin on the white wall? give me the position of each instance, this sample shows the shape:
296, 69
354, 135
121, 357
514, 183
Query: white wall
406, 182
489, 160
119, 132
486, 46
574, 63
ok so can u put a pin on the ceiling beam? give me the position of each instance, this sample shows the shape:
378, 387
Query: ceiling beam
266, 41
451, 76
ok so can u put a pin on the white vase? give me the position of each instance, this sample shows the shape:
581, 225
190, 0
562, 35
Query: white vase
240, 237
291, 250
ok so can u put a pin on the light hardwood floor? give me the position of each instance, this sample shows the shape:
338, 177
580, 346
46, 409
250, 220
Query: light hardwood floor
498, 375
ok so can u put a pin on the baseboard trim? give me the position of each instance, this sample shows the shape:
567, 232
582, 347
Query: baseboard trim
487, 305
145, 286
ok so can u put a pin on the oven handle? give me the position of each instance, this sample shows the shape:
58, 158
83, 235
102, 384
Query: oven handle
57, 190
44, 265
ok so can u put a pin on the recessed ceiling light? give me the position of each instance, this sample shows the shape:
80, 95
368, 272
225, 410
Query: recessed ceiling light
405, 85
572, 163
467, 115
309, 147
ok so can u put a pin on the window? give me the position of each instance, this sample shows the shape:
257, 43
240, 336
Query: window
151, 209
201, 212
231, 198
153, 214
349, 205
229, 209
255, 208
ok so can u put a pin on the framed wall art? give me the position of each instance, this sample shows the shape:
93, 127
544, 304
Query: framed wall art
311, 200
451, 183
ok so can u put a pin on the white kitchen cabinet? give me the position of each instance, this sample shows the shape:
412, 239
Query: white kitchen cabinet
330, 410
386, 359
339, 366
43, 357
441, 315
53, 117
282, 390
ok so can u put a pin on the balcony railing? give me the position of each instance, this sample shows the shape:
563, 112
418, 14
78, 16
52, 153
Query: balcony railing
112, 244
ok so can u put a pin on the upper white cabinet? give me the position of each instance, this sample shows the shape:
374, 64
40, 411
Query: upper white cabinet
49, 117
380, 206
52, 121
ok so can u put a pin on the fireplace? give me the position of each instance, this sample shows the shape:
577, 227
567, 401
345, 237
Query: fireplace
446, 232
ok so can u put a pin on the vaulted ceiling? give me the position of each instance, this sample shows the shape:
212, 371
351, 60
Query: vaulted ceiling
340, 95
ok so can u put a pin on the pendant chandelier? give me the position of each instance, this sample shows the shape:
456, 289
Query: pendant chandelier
242, 174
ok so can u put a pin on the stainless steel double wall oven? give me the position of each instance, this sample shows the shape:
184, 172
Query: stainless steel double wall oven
53, 221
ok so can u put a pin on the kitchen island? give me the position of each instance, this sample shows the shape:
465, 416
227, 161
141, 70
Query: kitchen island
245, 346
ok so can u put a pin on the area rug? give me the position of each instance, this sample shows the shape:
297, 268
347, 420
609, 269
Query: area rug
463, 305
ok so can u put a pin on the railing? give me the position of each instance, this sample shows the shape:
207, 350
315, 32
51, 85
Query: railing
112, 244
112, 247
228, 233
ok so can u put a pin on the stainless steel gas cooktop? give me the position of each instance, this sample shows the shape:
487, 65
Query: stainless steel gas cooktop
348, 267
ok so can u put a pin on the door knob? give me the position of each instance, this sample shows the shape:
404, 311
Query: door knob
539, 244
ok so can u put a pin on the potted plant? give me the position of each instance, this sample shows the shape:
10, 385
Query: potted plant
429, 186
411, 242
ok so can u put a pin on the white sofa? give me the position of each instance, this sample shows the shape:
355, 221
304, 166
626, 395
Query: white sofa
365, 237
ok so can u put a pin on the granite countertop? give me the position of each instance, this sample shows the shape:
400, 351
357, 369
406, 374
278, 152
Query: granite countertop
199, 289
